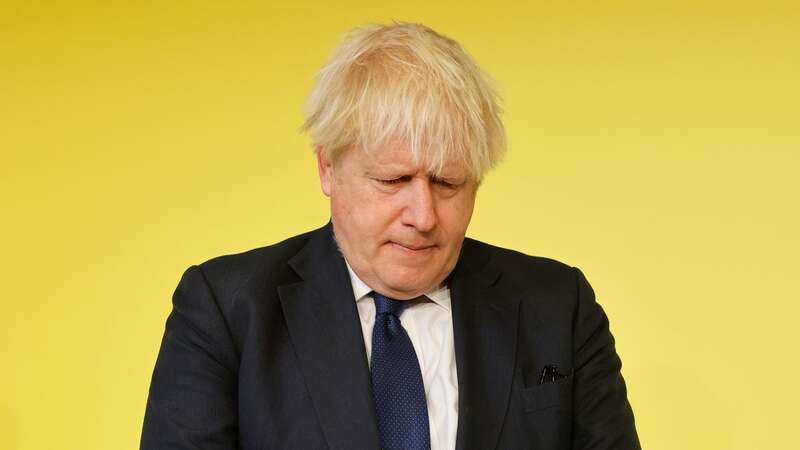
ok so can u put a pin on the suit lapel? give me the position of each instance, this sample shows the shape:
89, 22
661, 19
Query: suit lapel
485, 320
323, 325
325, 331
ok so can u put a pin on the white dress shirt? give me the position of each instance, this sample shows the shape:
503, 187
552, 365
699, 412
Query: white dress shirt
429, 325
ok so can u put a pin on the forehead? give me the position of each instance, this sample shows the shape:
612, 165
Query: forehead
398, 157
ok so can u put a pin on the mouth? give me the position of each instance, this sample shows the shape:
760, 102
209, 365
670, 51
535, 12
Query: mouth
412, 248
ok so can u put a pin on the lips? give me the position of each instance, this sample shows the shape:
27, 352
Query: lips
414, 247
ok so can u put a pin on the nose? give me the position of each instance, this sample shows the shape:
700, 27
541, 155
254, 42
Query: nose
420, 208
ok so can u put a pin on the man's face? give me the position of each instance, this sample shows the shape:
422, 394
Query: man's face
399, 228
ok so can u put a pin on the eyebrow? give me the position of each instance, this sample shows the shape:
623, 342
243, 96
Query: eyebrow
455, 179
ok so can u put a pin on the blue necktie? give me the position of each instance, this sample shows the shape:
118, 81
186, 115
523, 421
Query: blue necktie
397, 387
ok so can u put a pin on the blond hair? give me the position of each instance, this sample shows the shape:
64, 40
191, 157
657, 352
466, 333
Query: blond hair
406, 82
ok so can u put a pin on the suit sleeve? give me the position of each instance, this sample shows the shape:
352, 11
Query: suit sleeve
192, 398
603, 418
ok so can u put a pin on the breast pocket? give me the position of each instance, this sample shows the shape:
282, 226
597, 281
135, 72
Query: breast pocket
556, 394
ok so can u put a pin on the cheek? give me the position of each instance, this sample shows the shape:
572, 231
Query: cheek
456, 216
340, 214
374, 212
364, 218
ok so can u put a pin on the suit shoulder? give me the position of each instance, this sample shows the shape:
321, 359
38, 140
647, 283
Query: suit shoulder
226, 273
523, 266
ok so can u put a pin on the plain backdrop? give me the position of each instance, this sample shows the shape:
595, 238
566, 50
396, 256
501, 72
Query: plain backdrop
655, 145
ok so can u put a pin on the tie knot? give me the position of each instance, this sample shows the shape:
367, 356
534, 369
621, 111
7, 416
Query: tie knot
386, 305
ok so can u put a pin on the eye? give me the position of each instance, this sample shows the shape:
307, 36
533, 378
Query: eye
445, 183
390, 181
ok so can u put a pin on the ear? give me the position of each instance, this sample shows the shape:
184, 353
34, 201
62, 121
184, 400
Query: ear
325, 171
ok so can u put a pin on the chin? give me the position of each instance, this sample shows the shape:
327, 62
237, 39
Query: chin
415, 285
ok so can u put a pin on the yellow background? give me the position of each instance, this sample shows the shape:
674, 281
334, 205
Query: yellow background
653, 144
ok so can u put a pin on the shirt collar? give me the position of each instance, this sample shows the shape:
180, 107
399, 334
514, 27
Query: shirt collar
439, 294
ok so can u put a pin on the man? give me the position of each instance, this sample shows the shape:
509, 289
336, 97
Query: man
386, 328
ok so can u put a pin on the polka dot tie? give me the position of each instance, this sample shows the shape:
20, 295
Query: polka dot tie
397, 387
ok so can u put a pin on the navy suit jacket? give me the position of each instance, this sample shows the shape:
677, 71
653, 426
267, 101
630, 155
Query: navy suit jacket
264, 350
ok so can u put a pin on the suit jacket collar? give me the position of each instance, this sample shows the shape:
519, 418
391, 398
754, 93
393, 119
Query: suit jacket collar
324, 328
485, 320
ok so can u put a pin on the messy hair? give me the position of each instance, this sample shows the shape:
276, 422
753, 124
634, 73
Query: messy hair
405, 82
